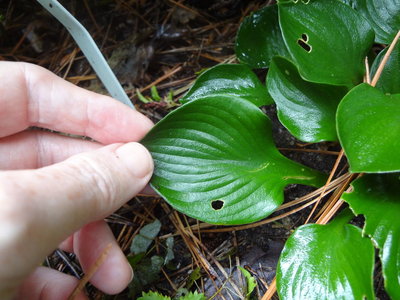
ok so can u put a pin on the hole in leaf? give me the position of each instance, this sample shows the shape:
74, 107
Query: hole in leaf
217, 204
304, 45
304, 37
50, 5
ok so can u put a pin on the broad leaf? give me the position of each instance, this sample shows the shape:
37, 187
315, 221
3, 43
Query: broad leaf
389, 81
328, 262
369, 130
215, 160
229, 79
327, 39
377, 197
384, 17
147, 272
145, 237
306, 109
259, 38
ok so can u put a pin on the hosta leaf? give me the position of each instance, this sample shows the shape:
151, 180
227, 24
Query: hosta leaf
327, 39
306, 109
384, 17
369, 130
389, 81
328, 262
377, 197
229, 79
215, 160
259, 38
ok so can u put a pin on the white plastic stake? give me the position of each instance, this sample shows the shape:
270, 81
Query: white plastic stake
89, 48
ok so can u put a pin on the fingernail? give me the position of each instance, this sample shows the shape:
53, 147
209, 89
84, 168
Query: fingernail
136, 157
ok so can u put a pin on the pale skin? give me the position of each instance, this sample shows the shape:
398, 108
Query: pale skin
56, 190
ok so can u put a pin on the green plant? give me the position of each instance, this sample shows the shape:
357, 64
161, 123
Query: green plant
156, 296
147, 268
215, 159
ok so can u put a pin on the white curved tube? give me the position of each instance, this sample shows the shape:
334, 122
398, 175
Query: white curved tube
89, 48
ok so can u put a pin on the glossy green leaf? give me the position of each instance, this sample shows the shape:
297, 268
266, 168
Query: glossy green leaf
306, 109
377, 197
259, 38
389, 81
328, 262
384, 17
327, 39
369, 130
229, 79
215, 160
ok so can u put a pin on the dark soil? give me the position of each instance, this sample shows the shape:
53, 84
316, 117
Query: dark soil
143, 42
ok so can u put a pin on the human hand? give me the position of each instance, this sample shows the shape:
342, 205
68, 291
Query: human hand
54, 189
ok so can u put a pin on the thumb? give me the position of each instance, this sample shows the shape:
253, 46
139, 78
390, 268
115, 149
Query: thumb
48, 204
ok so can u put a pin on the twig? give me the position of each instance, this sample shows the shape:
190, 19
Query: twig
162, 78
367, 74
92, 270
385, 59
326, 185
271, 291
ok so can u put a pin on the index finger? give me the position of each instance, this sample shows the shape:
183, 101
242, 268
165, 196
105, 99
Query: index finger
33, 96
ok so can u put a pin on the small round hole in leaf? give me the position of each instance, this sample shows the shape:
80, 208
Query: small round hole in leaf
304, 37
217, 204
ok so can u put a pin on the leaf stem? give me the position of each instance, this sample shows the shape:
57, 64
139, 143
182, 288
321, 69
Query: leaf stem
385, 59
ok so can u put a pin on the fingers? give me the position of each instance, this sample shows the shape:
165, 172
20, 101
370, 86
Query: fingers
48, 284
34, 149
114, 275
47, 205
33, 96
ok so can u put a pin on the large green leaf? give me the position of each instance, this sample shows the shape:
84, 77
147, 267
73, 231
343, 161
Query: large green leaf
215, 160
369, 129
389, 81
327, 39
384, 17
328, 262
306, 109
377, 197
229, 79
259, 38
